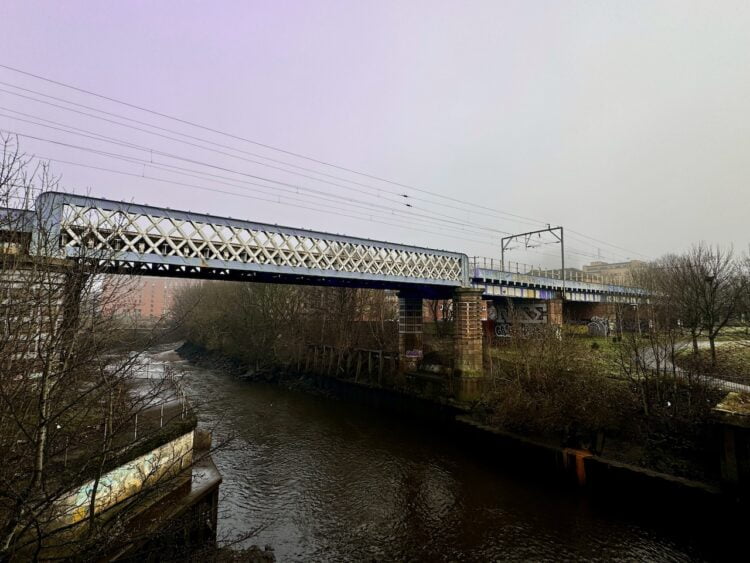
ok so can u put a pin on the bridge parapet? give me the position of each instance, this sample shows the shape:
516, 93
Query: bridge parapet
159, 241
499, 283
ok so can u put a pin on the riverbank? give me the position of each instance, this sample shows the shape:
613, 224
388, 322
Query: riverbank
324, 477
593, 474
213, 360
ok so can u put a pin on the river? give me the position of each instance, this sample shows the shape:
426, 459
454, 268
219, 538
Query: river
324, 479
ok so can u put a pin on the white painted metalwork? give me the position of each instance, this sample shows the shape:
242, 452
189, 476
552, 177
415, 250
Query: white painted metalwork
157, 241
138, 234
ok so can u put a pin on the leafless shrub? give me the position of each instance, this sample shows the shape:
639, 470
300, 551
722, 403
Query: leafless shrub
547, 385
267, 326
69, 400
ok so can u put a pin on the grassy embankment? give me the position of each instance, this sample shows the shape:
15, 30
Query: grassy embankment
575, 391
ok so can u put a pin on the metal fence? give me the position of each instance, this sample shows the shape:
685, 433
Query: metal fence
532, 270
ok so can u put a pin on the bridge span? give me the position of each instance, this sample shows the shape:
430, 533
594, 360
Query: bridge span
147, 240
127, 238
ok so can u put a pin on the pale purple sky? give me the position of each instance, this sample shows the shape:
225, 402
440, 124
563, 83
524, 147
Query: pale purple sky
626, 121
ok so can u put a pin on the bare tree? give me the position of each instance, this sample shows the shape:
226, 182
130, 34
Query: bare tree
744, 305
268, 327
717, 287
547, 384
71, 408
696, 293
703, 288
674, 283
442, 316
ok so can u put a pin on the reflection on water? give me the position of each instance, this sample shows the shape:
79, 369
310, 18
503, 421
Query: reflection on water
330, 480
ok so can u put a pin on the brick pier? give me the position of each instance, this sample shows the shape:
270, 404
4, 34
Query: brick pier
467, 342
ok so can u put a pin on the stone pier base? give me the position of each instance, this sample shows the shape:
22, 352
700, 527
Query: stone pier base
468, 387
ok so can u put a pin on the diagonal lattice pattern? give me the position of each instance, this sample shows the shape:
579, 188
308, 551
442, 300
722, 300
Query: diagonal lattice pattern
155, 236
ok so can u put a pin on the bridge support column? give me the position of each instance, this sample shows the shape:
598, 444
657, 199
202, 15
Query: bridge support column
409, 332
467, 342
555, 312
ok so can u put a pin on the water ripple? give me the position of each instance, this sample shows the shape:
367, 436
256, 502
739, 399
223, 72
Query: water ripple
334, 481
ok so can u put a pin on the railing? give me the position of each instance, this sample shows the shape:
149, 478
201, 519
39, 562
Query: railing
146, 422
496, 264
345, 362
731, 385
531, 270
169, 375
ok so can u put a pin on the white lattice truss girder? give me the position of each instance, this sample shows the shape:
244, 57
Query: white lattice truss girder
158, 236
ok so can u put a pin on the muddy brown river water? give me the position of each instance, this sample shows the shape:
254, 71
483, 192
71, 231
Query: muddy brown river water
327, 480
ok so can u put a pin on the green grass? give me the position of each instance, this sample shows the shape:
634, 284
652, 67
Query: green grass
732, 360
733, 333
603, 352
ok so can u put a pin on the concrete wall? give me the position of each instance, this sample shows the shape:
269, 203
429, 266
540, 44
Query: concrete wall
129, 479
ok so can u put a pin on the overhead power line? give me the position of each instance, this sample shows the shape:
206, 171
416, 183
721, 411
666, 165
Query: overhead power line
378, 190
443, 222
268, 146
98, 136
512, 216
410, 214
276, 200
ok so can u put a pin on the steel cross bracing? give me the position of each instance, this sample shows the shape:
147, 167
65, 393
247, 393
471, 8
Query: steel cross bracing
144, 239
138, 239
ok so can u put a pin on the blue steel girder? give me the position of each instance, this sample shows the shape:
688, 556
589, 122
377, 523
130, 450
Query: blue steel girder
148, 240
496, 283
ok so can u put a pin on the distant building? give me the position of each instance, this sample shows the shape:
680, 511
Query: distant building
570, 273
596, 272
144, 297
614, 272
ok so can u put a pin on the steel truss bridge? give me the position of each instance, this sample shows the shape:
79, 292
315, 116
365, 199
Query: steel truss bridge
145, 240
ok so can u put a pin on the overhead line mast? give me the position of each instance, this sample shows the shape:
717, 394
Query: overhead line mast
505, 242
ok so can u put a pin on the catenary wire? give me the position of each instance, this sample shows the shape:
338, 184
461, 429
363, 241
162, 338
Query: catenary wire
462, 227
270, 147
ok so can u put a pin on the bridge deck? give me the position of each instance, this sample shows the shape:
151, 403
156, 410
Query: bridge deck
158, 241
140, 239
497, 283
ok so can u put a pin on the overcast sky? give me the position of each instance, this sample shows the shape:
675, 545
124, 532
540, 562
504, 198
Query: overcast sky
626, 121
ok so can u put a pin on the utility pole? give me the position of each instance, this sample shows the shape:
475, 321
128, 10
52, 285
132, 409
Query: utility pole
561, 238
556, 232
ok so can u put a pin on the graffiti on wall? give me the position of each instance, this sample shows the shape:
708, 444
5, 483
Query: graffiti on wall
525, 313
